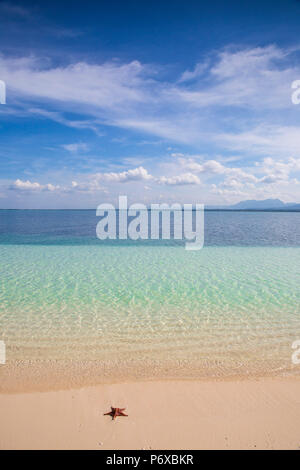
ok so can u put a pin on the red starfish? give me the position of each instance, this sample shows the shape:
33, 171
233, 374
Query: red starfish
116, 412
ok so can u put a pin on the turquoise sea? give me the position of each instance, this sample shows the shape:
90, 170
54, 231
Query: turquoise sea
150, 309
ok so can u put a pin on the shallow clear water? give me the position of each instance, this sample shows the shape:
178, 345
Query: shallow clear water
155, 309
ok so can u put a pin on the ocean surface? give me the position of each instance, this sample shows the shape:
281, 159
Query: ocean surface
145, 309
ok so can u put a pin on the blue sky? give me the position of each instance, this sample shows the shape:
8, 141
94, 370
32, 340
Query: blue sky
160, 101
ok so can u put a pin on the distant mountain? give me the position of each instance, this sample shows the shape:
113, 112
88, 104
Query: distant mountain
262, 205
294, 207
266, 204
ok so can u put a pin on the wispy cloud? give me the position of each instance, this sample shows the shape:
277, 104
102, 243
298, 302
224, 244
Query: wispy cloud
8, 8
76, 147
130, 95
99, 86
265, 139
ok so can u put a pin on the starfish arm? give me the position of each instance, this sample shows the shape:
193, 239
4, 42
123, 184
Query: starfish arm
116, 412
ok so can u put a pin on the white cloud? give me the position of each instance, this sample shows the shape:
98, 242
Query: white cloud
198, 71
278, 171
137, 174
269, 176
186, 178
177, 155
210, 166
213, 167
85, 187
76, 147
20, 185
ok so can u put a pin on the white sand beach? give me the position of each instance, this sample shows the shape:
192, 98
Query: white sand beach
246, 414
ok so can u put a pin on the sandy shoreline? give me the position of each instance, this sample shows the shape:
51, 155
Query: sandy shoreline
247, 414
25, 376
